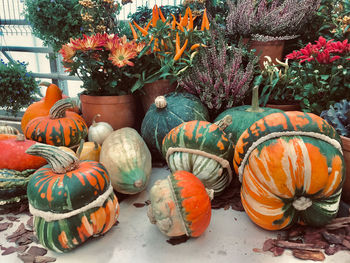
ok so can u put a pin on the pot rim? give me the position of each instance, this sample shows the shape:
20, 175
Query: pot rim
89, 99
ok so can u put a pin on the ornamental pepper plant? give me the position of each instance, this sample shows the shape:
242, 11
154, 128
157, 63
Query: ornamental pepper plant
320, 74
171, 41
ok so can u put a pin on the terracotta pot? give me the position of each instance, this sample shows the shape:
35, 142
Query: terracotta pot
118, 111
155, 89
273, 49
346, 154
285, 107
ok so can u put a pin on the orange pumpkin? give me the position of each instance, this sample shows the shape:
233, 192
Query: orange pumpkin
42, 107
180, 205
60, 128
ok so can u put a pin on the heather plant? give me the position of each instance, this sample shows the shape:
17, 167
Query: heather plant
220, 75
269, 18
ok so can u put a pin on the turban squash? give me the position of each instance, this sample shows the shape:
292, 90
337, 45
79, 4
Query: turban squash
180, 205
292, 170
60, 128
71, 200
201, 148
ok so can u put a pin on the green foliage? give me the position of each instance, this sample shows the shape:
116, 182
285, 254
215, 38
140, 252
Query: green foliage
54, 22
338, 115
18, 89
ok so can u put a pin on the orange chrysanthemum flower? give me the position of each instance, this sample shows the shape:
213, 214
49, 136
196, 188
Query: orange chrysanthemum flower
121, 56
67, 51
88, 42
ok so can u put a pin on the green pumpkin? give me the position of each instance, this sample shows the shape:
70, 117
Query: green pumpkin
292, 170
166, 113
244, 116
127, 159
201, 148
71, 200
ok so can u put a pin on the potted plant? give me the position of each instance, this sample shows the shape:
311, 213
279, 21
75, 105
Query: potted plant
18, 89
320, 74
171, 42
220, 75
265, 25
276, 90
338, 115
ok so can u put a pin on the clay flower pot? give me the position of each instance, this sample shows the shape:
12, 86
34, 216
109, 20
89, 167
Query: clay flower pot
284, 107
118, 111
346, 154
155, 89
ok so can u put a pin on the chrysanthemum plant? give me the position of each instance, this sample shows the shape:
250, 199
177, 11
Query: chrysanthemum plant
320, 74
171, 43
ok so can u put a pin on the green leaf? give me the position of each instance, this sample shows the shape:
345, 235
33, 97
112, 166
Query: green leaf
324, 77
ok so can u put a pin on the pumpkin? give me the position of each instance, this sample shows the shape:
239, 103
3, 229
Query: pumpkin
99, 131
244, 116
89, 151
180, 205
70, 200
14, 157
5, 129
166, 113
202, 148
7, 136
60, 128
127, 159
292, 170
42, 108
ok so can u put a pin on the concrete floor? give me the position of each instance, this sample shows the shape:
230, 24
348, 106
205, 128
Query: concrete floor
230, 237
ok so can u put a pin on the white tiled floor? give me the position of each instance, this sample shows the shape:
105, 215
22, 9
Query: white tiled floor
230, 237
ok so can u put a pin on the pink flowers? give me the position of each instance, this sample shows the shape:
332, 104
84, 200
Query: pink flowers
324, 52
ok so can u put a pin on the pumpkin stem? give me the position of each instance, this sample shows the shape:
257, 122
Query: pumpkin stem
94, 118
160, 102
224, 122
255, 101
80, 148
60, 160
210, 193
58, 110
95, 146
20, 137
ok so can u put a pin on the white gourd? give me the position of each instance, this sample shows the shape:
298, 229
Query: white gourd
99, 131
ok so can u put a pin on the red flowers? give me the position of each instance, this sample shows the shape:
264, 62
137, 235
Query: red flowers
324, 52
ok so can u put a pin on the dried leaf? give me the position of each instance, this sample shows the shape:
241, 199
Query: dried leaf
5, 226
277, 251
178, 240
26, 258
25, 239
309, 255
30, 223
294, 245
346, 243
1, 218
332, 249
37, 251
13, 218
268, 244
21, 249
332, 238
9, 251
42, 259
257, 250
138, 205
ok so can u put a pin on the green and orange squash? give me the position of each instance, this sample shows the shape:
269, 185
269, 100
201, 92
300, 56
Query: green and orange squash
127, 159
166, 113
60, 128
292, 170
89, 151
244, 116
70, 200
180, 205
201, 148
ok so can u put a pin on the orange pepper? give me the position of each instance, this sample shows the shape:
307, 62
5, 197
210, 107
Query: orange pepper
194, 46
181, 51
179, 26
190, 22
143, 31
134, 34
155, 16
184, 20
147, 26
161, 15
205, 21
173, 24
177, 43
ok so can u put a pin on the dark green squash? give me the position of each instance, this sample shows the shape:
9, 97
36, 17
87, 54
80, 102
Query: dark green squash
244, 116
168, 112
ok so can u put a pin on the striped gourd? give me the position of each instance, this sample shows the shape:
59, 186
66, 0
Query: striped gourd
202, 148
13, 188
60, 128
244, 116
166, 113
127, 160
71, 200
6, 129
180, 205
292, 170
